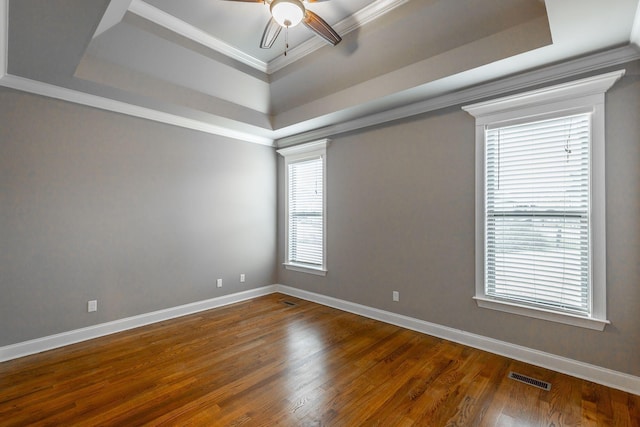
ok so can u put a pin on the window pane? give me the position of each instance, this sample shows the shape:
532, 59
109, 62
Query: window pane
537, 213
306, 212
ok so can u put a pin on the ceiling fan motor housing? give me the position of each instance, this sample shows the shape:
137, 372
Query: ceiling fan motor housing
287, 13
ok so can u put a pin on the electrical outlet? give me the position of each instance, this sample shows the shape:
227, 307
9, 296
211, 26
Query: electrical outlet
396, 296
219, 283
242, 278
92, 305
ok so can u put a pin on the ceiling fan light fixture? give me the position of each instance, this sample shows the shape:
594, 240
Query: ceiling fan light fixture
287, 13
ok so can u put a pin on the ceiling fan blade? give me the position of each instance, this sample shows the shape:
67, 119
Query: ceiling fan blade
321, 28
270, 34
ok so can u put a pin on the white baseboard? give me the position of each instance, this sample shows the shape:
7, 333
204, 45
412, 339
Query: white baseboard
596, 374
50, 342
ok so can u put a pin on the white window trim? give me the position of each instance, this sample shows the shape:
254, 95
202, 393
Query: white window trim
586, 95
295, 154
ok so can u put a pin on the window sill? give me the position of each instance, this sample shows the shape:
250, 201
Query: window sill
538, 313
302, 268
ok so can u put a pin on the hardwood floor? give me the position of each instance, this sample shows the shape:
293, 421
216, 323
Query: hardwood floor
264, 362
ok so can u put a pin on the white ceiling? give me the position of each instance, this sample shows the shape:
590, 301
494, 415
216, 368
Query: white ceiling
197, 63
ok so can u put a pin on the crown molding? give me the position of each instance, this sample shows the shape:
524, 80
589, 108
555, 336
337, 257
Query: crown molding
77, 97
500, 87
178, 26
368, 14
170, 22
70, 95
569, 69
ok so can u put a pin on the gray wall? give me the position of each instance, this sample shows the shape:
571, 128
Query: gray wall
144, 216
401, 217
138, 215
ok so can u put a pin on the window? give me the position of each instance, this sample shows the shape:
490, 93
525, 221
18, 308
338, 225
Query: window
537, 213
540, 217
305, 207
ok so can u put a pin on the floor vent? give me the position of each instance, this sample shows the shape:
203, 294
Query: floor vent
531, 381
289, 303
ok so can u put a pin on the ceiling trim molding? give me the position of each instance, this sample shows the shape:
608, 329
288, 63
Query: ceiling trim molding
77, 97
344, 27
368, 14
178, 26
498, 88
347, 25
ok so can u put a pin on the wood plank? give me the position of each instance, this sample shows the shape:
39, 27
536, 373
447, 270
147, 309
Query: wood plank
262, 362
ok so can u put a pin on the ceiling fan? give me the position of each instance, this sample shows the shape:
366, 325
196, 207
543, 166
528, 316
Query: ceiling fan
289, 13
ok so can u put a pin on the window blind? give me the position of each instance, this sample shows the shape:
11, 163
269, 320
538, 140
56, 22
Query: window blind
305, 214
537, 205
